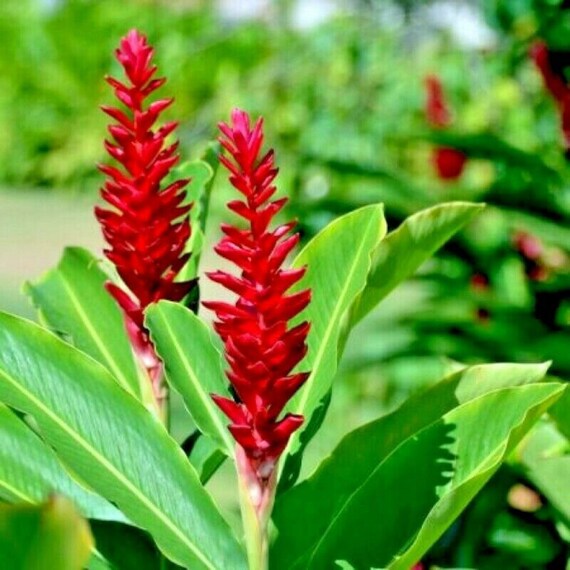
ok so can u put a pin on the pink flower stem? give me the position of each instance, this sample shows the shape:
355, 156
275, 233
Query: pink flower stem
257, 497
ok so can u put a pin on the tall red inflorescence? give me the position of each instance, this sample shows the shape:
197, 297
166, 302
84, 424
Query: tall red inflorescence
556, 85
147, 227
261, 348
449, 162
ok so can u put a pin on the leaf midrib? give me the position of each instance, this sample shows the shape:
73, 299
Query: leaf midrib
169, 524
113, 365
191, 373
373, 472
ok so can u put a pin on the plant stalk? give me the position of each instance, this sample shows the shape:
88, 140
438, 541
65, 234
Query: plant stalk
256, 501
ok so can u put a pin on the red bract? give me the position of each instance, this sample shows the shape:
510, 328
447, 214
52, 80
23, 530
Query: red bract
449, 162
557, 86
261, 348
148, 227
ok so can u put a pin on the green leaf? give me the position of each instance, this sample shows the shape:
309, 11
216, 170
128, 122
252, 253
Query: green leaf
72, 300
114, 444
338, 261
393, 486
30, 471
44, 538
193, 366
394, 259
404, 250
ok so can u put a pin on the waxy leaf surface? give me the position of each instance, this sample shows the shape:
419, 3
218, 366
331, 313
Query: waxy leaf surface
114, 444
73, 302
30, 471
393, 486
193, 366
338, 261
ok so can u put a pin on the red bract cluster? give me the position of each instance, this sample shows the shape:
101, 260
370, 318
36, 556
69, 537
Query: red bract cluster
448, 162
557, 86
260, 347
148, 227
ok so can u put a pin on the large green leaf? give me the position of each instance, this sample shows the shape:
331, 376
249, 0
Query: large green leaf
30, 471
72, 301
394, 259
338, 260
47, 537
402, 252
392, 487
114, 444
193, 366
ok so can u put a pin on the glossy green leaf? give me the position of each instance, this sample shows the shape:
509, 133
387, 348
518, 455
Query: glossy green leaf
393, 486
30, 471
114, 444
338, 260
72, 301
44, 537
193, 366
394, 259
404, 250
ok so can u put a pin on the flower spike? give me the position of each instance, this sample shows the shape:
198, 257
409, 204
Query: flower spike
261, 348
147, 226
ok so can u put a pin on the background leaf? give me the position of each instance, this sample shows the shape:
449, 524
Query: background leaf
367, 501
72, 301
114, 444
44, 537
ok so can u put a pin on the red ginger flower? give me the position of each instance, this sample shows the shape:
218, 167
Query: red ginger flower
260, 347
557, 86
148, 227
449, 162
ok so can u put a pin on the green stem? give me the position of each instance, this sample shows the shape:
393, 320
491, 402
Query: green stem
255, 531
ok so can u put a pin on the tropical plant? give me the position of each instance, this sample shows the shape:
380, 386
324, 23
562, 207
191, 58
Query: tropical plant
76, 419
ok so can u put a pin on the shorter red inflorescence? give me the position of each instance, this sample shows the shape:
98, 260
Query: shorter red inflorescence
147, 227
449, 162
261, 348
